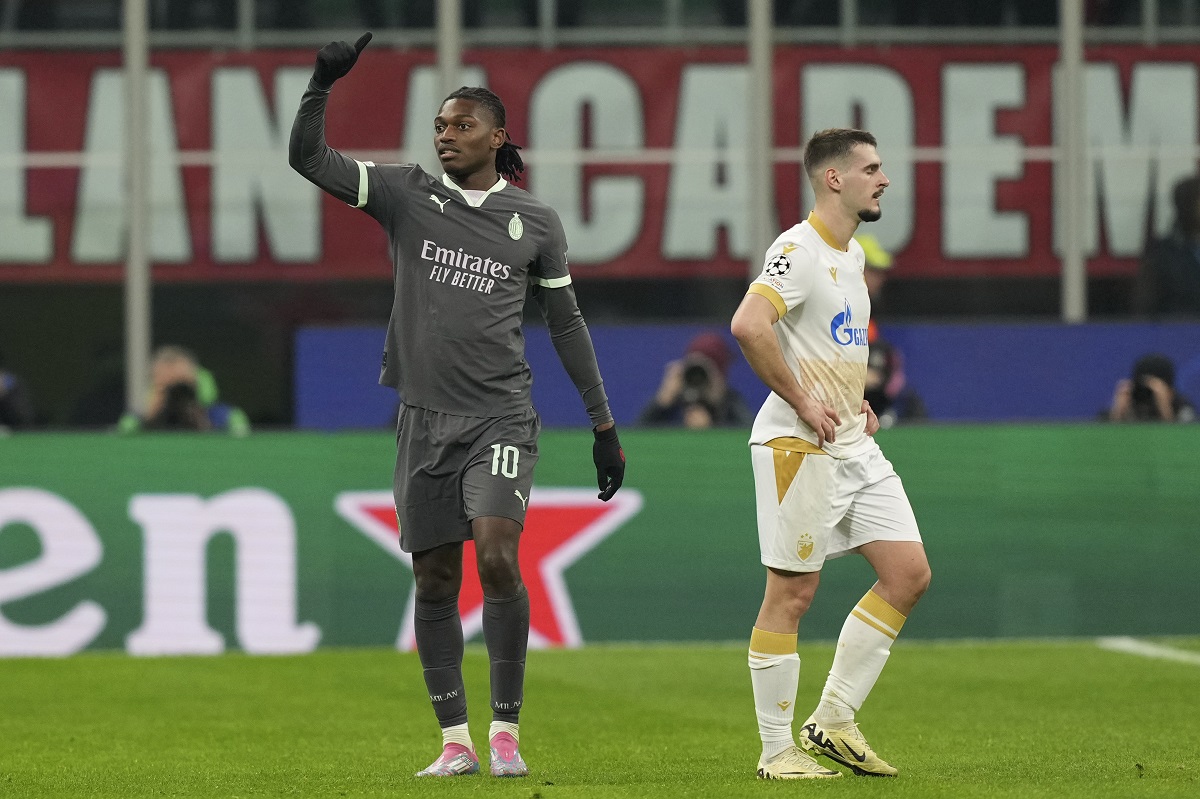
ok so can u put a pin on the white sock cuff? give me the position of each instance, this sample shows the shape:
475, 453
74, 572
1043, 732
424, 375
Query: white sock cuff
770, 649
758, 660
504, 726
457, 734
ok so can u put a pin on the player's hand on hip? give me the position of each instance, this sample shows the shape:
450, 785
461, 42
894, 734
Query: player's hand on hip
335, 59
610, 462
872, 419
821, 418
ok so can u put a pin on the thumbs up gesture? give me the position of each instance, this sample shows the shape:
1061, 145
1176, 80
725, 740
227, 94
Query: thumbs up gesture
335, 59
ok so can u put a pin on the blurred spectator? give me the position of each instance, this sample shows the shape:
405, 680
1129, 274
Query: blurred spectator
183, 396
1169, 279
16, 409
879, 263
694, 391
887, 389
1150, 395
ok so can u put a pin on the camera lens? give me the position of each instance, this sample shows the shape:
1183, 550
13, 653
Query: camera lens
695, 376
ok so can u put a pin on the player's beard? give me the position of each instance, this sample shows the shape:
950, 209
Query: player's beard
867, 215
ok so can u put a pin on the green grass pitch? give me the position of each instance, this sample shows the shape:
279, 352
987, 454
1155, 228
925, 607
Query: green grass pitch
1053, 719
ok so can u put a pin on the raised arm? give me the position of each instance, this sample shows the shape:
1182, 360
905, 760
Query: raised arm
308, 153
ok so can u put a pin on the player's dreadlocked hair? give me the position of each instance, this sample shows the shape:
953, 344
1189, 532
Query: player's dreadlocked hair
832, 145
508, 160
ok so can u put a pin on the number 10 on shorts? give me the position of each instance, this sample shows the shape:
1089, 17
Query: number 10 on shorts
504, 459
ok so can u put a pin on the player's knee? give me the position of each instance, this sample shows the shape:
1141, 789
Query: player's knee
797, 606
922, 580
437, 578
436, 586
795, 602
913, 582
499, 572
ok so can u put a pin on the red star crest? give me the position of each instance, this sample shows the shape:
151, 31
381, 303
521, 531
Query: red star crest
563, 524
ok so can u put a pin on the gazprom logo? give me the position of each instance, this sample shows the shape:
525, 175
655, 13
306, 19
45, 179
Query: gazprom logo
842, 331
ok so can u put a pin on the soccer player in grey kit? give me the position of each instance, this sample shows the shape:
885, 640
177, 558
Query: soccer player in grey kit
464, 249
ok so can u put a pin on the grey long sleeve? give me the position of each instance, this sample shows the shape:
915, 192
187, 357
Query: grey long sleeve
573, 343
309, 155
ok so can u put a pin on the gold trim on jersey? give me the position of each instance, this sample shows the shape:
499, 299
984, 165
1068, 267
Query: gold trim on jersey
764, 642
824, 232
771, 294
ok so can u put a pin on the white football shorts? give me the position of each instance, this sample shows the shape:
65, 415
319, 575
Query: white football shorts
815, 507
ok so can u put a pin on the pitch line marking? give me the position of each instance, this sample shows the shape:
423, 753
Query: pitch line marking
1133, 646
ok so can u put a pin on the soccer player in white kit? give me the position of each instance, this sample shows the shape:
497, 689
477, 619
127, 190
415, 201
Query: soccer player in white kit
823, 487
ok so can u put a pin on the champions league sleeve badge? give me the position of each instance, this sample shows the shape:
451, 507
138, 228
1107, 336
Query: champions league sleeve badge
516, 228
776, 267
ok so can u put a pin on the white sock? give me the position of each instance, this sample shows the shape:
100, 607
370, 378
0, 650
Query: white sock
457, 734
774, 675
504, 726
862, 650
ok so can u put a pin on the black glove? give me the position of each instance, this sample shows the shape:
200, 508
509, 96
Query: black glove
336, 59
610, 462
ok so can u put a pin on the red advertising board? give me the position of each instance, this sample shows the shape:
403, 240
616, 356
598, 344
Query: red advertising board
966, 134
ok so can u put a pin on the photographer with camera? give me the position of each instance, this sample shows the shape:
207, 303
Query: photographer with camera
1150, 395
183, 396
694, 392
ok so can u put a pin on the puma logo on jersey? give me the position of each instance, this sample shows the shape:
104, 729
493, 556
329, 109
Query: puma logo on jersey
524, 501
441, 203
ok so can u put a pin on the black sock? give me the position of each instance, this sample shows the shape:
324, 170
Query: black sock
440, 645
506, 633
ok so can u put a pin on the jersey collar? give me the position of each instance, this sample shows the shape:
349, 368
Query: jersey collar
824, 231
450, 184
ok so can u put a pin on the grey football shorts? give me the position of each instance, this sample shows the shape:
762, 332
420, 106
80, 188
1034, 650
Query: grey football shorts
452, 469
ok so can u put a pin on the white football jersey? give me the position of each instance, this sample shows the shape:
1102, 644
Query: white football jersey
821, 296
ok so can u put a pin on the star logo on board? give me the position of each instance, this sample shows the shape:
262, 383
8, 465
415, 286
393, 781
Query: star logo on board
563, 525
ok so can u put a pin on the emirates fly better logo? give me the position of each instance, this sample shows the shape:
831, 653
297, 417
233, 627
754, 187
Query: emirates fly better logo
561, 526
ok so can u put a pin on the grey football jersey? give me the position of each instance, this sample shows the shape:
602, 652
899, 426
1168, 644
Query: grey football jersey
454, 342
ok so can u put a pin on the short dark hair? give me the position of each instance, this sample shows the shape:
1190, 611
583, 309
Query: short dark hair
508, 160
832, 144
